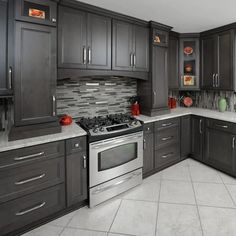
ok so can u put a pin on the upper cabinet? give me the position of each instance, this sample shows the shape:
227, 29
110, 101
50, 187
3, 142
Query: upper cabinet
84, 40
5, 67
189, 62
173, 61
36, 11
130, 50
218, 60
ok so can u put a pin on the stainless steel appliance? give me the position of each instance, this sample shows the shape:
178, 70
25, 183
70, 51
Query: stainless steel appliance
115, 155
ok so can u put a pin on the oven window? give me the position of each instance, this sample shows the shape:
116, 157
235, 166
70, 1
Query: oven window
117, 156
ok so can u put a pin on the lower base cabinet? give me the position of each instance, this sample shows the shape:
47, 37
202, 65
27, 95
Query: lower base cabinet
76, 169
185, 137
220, 150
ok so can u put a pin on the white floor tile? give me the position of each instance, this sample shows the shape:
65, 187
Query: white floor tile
81, 232
177, 192
210, 194
98, 218
203, 173
177, 172
63, 221
136, 218
178, 220
232, 191
45, 230
147, 191
228, 179
218, 221
154, 178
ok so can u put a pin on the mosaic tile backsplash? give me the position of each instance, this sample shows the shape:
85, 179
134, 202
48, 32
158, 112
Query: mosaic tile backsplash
208, 99
89, 97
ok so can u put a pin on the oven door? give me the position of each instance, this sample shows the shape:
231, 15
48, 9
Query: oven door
114, 157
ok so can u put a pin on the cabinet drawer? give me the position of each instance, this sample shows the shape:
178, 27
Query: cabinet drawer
23, 211
31, 154
221, 125
76, 145
167, 155
27, 179
148, 128
166, 137
164, 124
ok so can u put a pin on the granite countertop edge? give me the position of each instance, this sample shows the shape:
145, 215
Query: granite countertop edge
68, 132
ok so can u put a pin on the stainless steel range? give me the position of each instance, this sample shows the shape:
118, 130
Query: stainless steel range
115, 155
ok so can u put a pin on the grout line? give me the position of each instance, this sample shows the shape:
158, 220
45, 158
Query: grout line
121, 200
158, 206
199, 217
92, 230
228, 191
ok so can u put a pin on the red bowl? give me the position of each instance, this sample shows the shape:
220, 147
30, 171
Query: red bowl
66, 120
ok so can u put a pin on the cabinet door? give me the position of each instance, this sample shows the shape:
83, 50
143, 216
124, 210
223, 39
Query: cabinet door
148, 153
220, 150
209, 62
225, 60
99, 42
197, 126
76, 167
185, 136
173, 54
4, 80
122, 56
160, 78
141, 48
35, 74
71, 38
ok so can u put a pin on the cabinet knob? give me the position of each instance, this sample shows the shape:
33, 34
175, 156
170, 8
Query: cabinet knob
84, 161
148, 128
54, 20
76, 145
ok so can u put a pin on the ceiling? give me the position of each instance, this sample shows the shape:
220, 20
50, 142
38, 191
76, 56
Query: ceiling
186, 16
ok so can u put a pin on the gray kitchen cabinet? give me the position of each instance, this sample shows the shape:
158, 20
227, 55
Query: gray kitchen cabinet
197, 137
84, 40
130, 51
220, 146
173, 61
76, 171
218, 60
185, 136
35, 74
148, 150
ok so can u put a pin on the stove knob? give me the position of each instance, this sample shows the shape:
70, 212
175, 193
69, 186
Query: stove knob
95, 130
102, 129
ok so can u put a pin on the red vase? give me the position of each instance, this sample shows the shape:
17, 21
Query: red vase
135, 109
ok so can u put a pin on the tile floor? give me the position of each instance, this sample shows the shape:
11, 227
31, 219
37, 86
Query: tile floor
188, 199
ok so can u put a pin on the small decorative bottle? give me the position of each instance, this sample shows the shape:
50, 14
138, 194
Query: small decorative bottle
222, 104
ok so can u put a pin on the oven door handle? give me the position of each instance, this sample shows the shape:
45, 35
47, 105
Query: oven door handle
102, 189
114, 142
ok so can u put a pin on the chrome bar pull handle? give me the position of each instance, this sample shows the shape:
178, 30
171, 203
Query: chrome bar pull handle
167, 138
21, 213
167, 155
131, 60
233, 142
29, 156
84, 55
134, 60
222, 126
154, 98
84, 161
217, 80
30, 180
53, 105
144, 144
166, 124
10, 78
89, 56
200, 126
213, 80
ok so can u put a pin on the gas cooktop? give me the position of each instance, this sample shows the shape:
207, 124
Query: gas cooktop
110, 125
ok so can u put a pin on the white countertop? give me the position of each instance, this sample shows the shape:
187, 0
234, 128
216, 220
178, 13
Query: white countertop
68, 132
181, 111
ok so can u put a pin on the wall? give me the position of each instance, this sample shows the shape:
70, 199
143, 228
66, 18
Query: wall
89, 97
208, 99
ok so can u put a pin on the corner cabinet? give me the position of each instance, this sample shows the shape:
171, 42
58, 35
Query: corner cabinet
5, 67
218, 58
130, 51
84, 40
35, 74
154, 92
